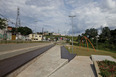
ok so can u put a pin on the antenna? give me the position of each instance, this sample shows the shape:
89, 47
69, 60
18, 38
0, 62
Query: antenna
18, 24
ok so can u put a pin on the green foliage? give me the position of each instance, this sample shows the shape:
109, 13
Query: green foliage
13, 30
24, 30
2, 23
92, 33
113, 37
70, 38
105, 74
105, 35
107, 68
105, 41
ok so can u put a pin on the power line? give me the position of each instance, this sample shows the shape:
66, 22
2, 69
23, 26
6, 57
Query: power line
7, 19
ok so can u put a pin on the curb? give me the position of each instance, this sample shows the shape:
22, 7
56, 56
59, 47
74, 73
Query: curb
19, 70
96, 69
100, 58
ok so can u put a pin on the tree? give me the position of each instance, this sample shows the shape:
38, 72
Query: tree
105, 35
92, 33
2, 23
87, 32
24, 30
113, 36
79, 38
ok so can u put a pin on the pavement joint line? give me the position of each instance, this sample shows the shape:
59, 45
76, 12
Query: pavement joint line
21, 49
60, 66
83, 68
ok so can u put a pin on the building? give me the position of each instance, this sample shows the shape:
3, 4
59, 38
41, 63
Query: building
1, 34
56, 34
9, 28
35, 37
5, 34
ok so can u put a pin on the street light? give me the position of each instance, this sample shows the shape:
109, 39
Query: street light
97, 42
72, 29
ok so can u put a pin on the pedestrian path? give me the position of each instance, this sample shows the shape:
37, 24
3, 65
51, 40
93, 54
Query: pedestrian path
80, 66
45, 65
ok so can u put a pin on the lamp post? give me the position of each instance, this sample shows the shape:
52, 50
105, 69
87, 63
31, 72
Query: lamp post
72, 29
97, 42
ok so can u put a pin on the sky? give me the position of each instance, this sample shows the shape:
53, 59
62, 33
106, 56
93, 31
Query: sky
53, 15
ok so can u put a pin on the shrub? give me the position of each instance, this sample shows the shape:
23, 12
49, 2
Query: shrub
107, 68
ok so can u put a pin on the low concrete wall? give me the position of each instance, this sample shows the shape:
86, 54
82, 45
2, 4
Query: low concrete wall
96, 58
97, 69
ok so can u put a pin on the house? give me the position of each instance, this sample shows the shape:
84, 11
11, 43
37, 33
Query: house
35, 37
56, 34
1, 34
46, 33
9, 28
5, 35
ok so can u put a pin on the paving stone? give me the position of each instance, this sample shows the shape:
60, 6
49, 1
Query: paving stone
80, 66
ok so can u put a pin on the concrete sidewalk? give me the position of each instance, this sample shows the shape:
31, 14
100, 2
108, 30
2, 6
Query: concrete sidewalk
80, 66
45, 65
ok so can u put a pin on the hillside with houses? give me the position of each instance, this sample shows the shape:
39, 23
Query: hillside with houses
25, 34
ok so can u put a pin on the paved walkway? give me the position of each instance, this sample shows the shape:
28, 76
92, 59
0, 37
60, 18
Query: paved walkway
80, 66
45, 65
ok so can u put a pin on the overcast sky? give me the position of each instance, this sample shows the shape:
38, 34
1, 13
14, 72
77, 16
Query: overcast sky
53, 14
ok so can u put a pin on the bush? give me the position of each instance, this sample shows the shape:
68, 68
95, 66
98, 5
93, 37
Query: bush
107, 68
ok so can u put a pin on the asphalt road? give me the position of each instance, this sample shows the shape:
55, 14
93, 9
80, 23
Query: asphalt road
10, 47
10, 50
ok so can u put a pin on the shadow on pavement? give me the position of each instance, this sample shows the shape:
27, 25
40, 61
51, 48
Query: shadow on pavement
66, 55
93, 69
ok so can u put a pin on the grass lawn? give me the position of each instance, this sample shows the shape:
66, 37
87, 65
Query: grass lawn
83, 51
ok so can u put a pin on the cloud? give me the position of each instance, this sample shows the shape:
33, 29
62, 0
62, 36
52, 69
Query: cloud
53, 14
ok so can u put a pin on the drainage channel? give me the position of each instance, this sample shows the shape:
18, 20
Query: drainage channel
10, 64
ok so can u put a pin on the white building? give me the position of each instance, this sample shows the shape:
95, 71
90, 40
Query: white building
35, 37
56, 34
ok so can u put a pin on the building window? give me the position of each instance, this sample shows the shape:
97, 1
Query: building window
35, 35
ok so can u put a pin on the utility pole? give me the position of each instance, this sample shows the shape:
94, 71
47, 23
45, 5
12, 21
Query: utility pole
17, 22
18, 19
72, 30
42, 33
